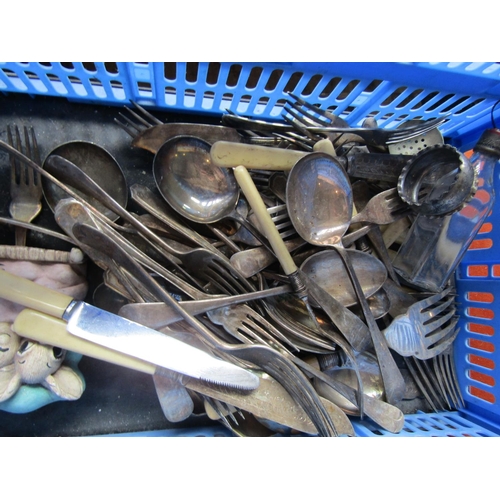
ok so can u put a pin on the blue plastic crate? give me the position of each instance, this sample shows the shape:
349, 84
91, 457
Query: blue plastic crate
390, 92
467, 92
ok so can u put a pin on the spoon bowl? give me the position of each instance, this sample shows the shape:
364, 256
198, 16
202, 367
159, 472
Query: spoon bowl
319, 199
327, 269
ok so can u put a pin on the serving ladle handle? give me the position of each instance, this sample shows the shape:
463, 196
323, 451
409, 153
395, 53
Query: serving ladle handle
350, 325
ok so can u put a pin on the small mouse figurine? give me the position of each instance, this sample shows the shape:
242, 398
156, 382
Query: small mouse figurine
29, 363
33, 374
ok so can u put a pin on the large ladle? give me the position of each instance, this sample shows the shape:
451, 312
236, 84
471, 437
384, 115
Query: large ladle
320, 205
195, 187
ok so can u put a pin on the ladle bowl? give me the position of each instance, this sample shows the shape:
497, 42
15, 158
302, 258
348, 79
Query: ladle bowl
196, 188
99, 165
190, 183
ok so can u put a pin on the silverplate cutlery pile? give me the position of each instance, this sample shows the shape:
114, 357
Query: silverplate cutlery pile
271, 247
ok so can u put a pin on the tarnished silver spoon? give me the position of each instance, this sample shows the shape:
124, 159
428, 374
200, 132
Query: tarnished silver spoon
195, 187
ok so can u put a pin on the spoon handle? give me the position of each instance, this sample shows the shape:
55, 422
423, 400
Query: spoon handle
394, 383
268, 228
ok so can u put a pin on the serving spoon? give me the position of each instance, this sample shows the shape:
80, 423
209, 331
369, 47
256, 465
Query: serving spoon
195, 187
320, 205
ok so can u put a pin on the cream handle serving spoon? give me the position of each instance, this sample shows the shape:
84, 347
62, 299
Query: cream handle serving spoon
350, 325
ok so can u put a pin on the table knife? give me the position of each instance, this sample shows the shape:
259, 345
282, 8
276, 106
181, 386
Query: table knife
107, 329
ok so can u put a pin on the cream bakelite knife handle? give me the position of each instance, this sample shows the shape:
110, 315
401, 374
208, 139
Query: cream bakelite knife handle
232, 154
52, 331
32, 295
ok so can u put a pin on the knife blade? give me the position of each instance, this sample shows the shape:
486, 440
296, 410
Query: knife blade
117, 333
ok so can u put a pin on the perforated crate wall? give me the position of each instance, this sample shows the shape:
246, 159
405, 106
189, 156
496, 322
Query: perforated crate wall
477, 348
390, 92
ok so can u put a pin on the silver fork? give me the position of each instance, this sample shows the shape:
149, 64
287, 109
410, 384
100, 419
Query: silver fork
427, 328
444, 367
325, 123
281, 219
249, 327
385, 415
437, 381
383, 208
371, 136
25, 183
139, 121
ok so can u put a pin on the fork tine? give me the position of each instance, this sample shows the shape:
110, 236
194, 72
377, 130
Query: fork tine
265, 328
36, 151
124, 127
297, 117
437, 322
426, 371
220, 411
424, 304
301, 126
401, 134
34, 178
429, 313
220, 282
421, 127
28, 152
442, 380
444, 366
129, 123
422, 382
440, 344
307, 118
306, 104
147, 114
21, 168
13, 161
219, 276
304, 142
449, 362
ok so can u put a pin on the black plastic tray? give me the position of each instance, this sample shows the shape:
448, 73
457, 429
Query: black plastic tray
116, 400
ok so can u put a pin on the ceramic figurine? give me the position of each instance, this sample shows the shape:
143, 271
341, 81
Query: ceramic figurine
34, 364
33, 374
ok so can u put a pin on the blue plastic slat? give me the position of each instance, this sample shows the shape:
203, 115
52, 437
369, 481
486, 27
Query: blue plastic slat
477, 357
146, 84
215, 431
446, 424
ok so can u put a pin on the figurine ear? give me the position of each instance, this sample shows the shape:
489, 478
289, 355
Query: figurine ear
65, 383
10, 382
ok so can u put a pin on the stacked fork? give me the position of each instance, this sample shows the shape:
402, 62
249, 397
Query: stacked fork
26, 185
